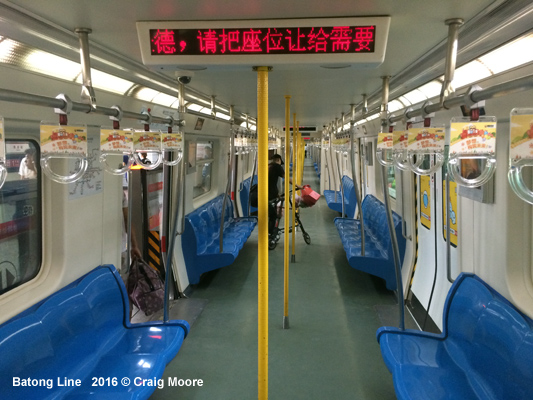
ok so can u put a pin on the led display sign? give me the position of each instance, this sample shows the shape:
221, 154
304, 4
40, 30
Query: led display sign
350, 40
299, 40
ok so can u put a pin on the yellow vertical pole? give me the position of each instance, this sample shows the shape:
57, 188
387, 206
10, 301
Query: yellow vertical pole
262, 276
286, 216
301, 154
293, 195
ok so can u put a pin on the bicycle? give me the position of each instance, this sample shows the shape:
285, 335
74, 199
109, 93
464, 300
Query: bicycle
275, 235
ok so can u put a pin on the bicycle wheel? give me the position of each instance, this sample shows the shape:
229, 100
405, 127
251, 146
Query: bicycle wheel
307, 238
272, 244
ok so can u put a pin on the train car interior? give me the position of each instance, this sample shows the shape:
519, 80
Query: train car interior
178, 178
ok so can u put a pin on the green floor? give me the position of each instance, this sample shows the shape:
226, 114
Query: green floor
330, 350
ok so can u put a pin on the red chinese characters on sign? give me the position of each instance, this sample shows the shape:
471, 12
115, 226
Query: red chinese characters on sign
301, 40
273, 40
318, 41
164, 42
208, 41
229, 41
296, 44
341, 38
364, 37
251, 41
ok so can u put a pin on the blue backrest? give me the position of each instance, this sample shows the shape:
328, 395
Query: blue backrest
491, 336
350, 201
245, 193
205, 221
375, 218
37, 335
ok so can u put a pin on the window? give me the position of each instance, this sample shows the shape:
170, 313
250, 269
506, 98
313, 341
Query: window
20, 216
204, 162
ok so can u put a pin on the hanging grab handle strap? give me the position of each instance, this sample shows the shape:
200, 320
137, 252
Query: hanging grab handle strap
520, 153
77, 174
516, 180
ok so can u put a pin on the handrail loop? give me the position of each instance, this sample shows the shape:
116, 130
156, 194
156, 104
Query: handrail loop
171, 142
77, 174
481, 146
146, 141
426, 141
62, 141
399, 150
384, 149
520, 155
116, 142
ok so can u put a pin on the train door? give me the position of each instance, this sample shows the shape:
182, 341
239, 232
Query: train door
429, 285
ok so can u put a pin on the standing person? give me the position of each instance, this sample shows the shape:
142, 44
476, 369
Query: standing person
144, 158
27, 169
275, 171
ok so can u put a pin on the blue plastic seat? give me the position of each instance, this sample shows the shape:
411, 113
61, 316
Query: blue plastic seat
82, 332
484, 352
317, 169
201, 238
350, 200
378, 259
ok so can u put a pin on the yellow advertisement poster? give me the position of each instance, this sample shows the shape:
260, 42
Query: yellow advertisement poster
172, 141
384, 141
453, 212
425, 201
143, 140
472, 137
64, 139
116, 141
521, 144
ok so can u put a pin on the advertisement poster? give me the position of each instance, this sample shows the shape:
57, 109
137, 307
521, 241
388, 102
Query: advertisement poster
521, 143
399, 140
64, 139
467, 137
171, 141
143, 140
453, 212
425, 201
384, 141
116, 141
426, 140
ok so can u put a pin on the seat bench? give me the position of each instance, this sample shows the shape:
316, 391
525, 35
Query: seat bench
317, 169
378, 259
484, 352
80, 333
201, 238
350, 200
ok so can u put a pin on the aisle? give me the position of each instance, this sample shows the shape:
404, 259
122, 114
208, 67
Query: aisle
330, 350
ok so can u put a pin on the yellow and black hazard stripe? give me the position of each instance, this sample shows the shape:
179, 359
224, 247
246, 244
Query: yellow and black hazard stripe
154, 252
